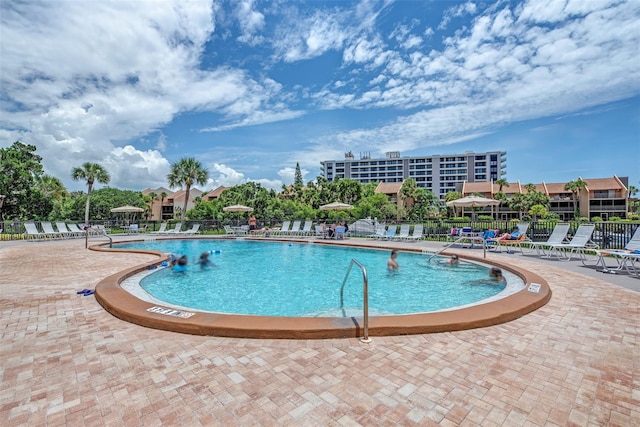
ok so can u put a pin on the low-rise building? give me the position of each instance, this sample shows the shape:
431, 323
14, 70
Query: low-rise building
601, 197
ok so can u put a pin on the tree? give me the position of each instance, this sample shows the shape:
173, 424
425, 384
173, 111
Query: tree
163, 196
538, 211
297, 181
20, 168
91, 172
502, 183
575, 187
152, 197
187, 171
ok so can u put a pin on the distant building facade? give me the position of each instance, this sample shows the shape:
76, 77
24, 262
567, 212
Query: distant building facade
438, 173
170, 205
602, 197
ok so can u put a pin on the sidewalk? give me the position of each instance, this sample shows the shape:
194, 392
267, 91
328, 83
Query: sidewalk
65, 361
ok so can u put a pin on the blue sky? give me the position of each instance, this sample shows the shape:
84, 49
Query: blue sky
250, 88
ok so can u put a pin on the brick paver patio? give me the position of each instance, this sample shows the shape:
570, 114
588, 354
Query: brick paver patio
66, 361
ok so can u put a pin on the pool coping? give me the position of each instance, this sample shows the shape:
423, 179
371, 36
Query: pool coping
123, 305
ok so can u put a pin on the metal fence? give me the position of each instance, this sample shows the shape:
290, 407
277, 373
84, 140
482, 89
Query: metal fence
608, 235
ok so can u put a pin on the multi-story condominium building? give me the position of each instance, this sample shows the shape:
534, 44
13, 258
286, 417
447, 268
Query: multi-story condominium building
601, 197
438, 173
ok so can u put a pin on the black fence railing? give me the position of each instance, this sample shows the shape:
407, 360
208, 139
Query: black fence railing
608, 235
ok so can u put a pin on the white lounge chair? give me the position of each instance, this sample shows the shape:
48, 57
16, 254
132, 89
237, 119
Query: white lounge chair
306, 228
48, 229
66, 232
33, 232
380, 232
295, 228
558, 236
75, 229
175, 230
580, 242
626, 258
284, 229
161, 230
391, 232
403, 233
193, 230
416, 234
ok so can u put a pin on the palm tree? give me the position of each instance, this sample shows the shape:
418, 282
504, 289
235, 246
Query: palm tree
52, 187
91, 172
502, 183
163, 196
187, 171
575, 187
152, 198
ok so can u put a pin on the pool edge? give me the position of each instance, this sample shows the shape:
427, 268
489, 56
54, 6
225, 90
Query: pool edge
126, 306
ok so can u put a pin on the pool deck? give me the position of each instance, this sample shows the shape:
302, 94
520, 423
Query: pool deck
64, 360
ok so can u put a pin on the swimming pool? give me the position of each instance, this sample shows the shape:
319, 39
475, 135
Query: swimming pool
306, 280
133, 305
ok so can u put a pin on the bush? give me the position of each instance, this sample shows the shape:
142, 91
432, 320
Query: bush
596, 219
552, 216
634, 217
583, 219
614, 218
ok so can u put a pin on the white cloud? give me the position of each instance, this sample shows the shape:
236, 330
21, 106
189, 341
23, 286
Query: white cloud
250, 21
220, 174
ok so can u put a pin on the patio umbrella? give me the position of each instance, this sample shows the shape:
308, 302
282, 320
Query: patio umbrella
473, 202
237, 208
335, 206
128, 210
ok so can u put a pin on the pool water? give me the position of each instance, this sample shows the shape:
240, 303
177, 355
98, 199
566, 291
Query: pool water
304, 280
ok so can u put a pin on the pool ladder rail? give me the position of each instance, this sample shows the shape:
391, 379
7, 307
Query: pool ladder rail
455, 242
365, 294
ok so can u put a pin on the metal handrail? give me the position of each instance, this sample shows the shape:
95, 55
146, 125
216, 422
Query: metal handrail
365, 308
458, 240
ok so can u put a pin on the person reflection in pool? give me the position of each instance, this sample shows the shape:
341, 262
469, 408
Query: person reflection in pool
392, 263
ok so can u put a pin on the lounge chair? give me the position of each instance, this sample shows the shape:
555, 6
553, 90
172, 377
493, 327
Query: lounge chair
391, 232
626, 258
75, 229
66, 232
47, 227
416, 233
580, 242
33, 232
175, 230
557, 237
339, 232
229, 231
161, 230
380, 233
193, 230
283, 229
403, 233
306, 228
295, 228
